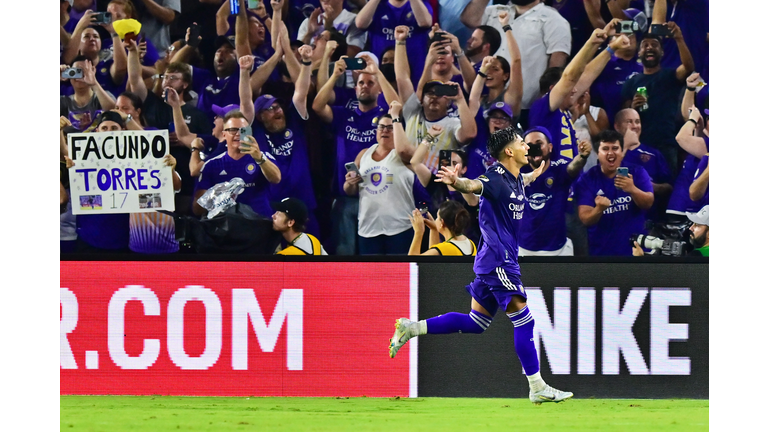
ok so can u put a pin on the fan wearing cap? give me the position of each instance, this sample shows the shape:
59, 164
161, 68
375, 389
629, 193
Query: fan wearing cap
543, 229
222, 86
612, 206
562, 89
290, 219
497, 117
699, 234
243, 159
663, 86
433, 110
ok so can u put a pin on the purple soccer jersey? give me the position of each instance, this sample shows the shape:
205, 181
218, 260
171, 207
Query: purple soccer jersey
559, 123
703, 164
657, 168
381, 34
213, 90
223, 168
606, 90
680, 200
355, 131
289, 148
501, 210
610, 236
543, 226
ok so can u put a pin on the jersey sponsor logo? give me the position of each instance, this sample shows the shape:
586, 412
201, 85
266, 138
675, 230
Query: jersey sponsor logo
537, 201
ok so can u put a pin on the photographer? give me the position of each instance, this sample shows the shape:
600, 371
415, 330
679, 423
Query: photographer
699, 235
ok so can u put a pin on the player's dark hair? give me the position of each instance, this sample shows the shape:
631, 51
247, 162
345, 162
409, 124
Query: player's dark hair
491, 36
501, 138
549, 78
608, 135
455, 217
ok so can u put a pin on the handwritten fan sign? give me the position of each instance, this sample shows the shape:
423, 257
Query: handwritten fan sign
120, 172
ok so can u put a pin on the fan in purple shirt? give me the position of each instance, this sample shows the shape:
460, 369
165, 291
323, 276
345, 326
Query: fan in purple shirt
86, 40
606, 90
243, 159
628, 124
283, 131
380, 17
355, 130
497, 284
563, 87
613, 205
544, 228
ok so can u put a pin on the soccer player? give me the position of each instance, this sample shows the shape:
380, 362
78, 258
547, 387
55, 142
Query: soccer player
497, 284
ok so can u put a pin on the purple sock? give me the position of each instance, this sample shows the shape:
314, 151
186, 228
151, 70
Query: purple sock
454, 322
524, 346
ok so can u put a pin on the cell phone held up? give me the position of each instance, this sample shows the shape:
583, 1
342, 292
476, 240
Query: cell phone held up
660, 30
194, 35
534, 150
351, 167
445, 158
72, 73
446, 90
627, 27
245, 132
622, 172
102, 18
355, 63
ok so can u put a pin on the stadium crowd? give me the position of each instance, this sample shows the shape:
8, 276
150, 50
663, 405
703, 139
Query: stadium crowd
354, 105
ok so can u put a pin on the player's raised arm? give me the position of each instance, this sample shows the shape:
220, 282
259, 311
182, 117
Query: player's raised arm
450, 176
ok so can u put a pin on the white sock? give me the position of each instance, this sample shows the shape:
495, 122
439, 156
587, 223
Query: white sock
536, 382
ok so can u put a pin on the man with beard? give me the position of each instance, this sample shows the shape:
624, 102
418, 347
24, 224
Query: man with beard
543, 35
283, 131
699, 237
484, 42
610, 204
543, 230
663, 87
355, 130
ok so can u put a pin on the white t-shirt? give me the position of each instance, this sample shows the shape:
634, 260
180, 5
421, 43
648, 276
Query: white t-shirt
345, 24
386, 195
539, 32
417, 127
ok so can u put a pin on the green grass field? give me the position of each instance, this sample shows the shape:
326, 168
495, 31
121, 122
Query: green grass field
169, 413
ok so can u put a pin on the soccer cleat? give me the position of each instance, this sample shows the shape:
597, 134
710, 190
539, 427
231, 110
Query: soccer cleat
549, 394
402, 334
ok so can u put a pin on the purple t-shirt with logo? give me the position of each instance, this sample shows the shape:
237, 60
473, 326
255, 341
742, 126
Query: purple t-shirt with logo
355, 131
501, 211
610, 235
381, 34
543, 225
213, 90
223, 168
606, 90
559, 123
289, 148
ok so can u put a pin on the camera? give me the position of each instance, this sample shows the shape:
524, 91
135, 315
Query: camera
72, 73
628, 27
668, 239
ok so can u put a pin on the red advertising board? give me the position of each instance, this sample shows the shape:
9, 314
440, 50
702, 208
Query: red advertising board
235, 328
